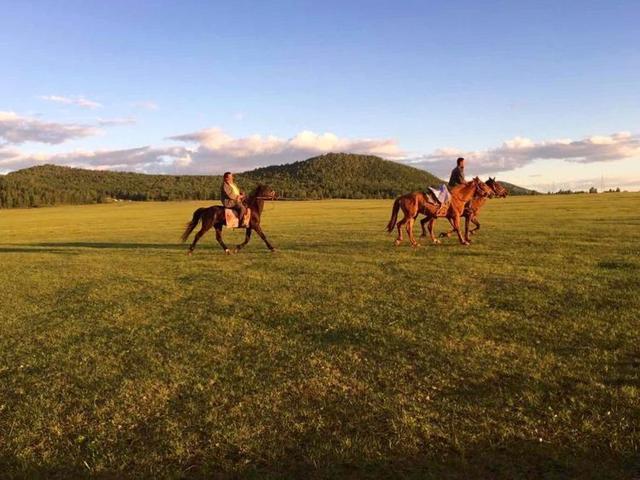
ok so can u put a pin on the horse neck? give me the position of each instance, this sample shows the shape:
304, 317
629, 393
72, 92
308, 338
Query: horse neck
465, 192
477, 202
255, 203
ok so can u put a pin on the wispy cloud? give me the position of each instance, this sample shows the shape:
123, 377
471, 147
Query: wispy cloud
15, 129
146, 105
520, 151
80, 101
115, 122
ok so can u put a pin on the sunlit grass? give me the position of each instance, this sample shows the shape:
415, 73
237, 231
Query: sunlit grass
340, 355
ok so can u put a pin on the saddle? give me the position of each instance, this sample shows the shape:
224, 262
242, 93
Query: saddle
232, 220
441, 198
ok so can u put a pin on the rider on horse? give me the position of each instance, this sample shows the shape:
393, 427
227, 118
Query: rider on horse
232, 197
442, 195
457, 174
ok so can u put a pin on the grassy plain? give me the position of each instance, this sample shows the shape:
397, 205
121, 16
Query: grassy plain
338, 356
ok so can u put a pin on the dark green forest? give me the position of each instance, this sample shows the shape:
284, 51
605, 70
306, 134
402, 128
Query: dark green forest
327, 176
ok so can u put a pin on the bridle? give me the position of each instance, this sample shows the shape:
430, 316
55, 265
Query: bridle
481, 191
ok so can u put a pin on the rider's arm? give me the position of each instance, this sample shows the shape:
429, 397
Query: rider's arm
229, 191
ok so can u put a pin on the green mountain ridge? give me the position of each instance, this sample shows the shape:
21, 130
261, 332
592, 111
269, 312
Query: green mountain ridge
333, 175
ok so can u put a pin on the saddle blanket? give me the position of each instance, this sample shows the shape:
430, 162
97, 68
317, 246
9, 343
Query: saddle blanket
231, 219
442, 194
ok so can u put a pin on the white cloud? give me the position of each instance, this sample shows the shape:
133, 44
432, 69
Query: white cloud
519, 151
214, 152
80, 101
217, 151
15, 129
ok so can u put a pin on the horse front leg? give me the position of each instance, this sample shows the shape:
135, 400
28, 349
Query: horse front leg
456, 227
475, 221
410, 232
247, 237
423, 224
259, 231
466, 228
220, 241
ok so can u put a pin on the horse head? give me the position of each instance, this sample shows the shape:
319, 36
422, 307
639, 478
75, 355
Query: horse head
498, 190
482, 189
264, 192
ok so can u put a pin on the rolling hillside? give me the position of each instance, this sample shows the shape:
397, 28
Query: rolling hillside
334, 175
516, 190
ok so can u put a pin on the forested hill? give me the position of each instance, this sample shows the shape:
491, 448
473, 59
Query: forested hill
343, 175
327, 176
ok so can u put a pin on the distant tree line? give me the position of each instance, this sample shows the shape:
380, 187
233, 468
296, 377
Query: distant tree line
591, 190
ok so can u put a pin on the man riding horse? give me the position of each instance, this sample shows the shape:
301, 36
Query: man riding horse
457, 174
232, 197
442, 195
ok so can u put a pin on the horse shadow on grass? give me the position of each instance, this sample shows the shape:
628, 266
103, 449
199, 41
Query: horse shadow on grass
521, 459
69, 247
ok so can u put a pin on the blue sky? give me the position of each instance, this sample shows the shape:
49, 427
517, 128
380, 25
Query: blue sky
545, 94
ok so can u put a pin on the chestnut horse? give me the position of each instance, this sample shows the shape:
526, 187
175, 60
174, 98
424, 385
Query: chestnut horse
417, 202
214, 217
471, 210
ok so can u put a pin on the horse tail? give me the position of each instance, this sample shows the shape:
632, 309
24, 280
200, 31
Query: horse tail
192, 224
394, 215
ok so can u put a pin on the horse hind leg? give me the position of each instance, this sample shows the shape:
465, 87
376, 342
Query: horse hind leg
410, 233
205, 227
399, 227
247, 237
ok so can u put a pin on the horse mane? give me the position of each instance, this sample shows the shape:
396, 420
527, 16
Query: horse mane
259, 191
458, 188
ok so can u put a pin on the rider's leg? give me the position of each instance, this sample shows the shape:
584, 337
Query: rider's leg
241, 210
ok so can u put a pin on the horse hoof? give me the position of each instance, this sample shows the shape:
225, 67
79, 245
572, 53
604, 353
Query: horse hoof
273, 250
227, 251
189, 253
396, 243
236, 250
436, 241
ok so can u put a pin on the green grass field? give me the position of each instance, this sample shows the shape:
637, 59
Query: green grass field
338, 356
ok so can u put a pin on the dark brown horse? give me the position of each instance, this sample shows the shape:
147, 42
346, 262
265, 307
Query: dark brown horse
214, 217
472, 209
417, 202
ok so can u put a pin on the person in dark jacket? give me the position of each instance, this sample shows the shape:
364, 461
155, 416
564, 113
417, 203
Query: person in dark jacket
232, 197
457, 174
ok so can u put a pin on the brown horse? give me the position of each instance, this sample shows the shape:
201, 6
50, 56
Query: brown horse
417, 202
472, 209
214, 217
